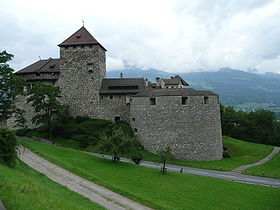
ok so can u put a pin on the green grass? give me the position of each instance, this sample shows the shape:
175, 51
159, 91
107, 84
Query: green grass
21, 188
172, 191
241, 153
269, 169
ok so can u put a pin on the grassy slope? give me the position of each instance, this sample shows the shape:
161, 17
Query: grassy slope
171, 191
241, 152
22, 188
269, 169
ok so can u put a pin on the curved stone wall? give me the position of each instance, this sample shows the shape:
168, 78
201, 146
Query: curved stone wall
193, 131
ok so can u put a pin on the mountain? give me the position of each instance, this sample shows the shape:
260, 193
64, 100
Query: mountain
235, 87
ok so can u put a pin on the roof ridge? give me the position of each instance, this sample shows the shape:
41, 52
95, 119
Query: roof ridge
48, 60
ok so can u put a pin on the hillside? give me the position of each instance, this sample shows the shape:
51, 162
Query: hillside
235, 87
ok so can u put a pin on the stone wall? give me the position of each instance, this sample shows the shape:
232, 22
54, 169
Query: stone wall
21, 103
193, 131
114, 106
81, 72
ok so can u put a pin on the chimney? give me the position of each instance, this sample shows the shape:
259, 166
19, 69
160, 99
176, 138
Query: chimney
121, 75
158, 81
146, 82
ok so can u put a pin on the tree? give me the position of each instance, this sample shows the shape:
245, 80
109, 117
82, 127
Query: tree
20, 119
10, 86
44, 100
165, 154
8, 145
119, 143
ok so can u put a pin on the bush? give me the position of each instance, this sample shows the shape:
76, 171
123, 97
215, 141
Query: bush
85, 140
226, 152
23, 132
136, 156
8, 146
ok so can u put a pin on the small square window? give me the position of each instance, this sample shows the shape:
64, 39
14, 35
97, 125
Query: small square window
90, 71
135, 130
184, 100
133, 119
152, 101
206, 100
111, 97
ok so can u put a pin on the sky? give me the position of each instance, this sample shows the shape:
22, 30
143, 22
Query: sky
168, 35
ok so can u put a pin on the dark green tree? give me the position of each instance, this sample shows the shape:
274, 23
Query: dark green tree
8, 145
20, 119
10, 86
44, 100
119, 143
165, 155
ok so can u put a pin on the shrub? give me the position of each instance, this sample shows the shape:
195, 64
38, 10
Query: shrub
136, 156
23, 132
226, 152
8, 146
85, 140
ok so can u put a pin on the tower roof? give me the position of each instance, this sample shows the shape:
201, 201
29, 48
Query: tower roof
80, 37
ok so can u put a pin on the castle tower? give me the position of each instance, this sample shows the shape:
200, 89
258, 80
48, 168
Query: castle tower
82, 69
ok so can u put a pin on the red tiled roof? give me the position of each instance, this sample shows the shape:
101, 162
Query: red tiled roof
80, 37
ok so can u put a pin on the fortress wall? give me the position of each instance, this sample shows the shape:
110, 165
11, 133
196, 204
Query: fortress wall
193, 131
81, 72
21, 103
114, 106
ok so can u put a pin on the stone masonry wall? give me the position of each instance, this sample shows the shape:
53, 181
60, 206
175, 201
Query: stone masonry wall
113, 106
21, 103
193, 131
81, 72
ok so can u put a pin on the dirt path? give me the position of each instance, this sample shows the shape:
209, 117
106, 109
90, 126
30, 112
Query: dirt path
242, 168
98, 194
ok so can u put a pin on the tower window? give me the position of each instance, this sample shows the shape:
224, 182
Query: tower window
206, 100
90, 71
90, 63
152, 101
135, 130
117, 119
184, 100
133, 119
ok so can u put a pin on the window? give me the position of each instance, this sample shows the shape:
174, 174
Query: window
135, 130
133, 119
111, 97
206, 100
152, 101
37, 74
117, 119
184, 100
90, 71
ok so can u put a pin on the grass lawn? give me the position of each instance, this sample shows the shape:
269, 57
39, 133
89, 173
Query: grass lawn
172, 191
241, 152
269, 169
22, 188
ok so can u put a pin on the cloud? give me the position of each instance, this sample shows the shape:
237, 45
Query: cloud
172, 35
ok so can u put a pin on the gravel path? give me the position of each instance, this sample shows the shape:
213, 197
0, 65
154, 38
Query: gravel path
231, 176
2, 207
98, 194
242, 168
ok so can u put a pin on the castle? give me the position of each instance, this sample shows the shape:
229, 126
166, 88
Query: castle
166, 112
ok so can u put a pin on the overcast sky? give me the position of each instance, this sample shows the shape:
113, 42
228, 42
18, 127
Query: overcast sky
170, 35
